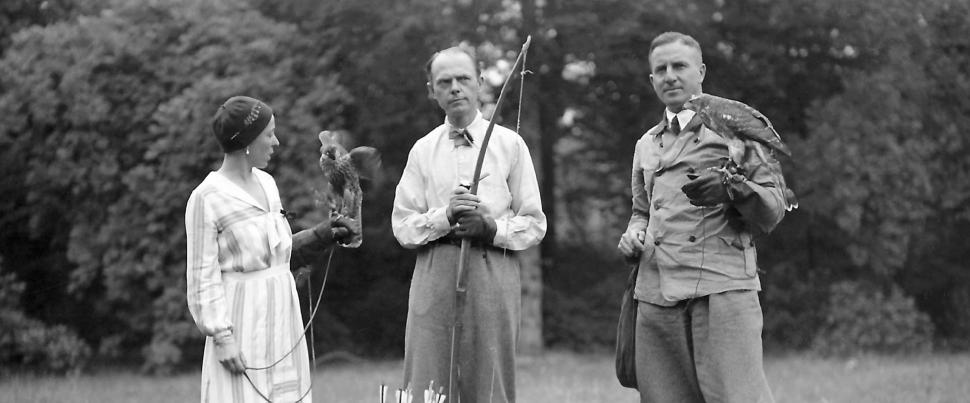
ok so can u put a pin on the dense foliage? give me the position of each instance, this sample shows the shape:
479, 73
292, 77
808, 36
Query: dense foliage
104, 111
861, 317
26, 342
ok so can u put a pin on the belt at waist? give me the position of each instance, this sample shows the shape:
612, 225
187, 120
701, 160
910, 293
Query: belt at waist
451, 239
256, 274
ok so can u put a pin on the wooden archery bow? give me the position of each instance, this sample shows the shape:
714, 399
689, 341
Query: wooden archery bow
460, 290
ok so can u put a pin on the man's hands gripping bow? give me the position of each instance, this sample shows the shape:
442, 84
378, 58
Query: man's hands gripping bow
469, 218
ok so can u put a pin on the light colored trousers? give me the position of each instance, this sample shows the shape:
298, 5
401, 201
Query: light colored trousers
490, 323
703, 350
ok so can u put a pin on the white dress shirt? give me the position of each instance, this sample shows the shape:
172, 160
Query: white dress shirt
436, 166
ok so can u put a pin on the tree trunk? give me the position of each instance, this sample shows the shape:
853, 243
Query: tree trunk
530, 335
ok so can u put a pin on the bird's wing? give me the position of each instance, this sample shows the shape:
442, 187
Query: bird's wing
760, 116
755, 126
366, 161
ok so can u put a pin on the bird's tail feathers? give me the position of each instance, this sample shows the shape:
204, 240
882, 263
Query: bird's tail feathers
791, 202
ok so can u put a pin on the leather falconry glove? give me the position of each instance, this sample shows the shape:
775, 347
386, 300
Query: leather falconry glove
343, 227
715, 186
310, 244
334, 230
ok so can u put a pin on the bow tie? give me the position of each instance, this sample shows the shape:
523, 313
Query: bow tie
461, 137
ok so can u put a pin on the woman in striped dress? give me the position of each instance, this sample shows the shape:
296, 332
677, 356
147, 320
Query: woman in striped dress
240, 252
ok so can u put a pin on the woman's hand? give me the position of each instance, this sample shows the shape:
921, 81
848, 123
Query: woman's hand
229, 354
335, 229
342, 227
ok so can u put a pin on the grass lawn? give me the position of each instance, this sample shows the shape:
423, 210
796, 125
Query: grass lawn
555, 377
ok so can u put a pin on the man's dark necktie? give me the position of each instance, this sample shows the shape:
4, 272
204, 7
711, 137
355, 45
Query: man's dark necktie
461, 137
675, 125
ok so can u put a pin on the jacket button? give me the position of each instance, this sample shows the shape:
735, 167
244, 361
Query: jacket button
656, 242
656, 205
692, 238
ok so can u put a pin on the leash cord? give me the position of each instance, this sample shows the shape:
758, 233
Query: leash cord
309, 326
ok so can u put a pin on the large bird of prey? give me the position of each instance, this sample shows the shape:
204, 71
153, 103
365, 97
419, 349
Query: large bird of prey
342, 171
745, 129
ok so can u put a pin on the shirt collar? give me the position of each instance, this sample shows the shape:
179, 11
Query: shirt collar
684, 116
476, 128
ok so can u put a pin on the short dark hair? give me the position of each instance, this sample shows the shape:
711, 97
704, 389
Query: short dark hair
454, 49
671, 37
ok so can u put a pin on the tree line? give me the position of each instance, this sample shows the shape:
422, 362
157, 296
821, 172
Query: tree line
104, 131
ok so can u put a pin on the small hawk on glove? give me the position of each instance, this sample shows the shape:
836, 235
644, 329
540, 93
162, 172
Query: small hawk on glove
745, 129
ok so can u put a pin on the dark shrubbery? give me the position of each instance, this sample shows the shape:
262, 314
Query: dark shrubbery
581, 299
861, 317
27, 343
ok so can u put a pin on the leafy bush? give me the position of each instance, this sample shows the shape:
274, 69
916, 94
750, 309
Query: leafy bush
860, 317
55, 348
31, 344
790, 289
581, 301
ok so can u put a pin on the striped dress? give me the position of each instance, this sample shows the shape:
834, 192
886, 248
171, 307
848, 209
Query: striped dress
238, 278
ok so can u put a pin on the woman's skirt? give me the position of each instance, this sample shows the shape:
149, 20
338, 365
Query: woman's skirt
265, 312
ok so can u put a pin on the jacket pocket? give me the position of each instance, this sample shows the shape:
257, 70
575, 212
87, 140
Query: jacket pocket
732, 257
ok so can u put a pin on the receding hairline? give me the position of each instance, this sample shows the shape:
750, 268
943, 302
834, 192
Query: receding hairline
452, 50
669, 37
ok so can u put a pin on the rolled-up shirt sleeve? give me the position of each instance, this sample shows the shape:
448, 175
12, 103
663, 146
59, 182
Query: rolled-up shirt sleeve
205, 293
526, 226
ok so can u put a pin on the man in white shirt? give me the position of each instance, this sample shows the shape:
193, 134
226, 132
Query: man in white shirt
434, 211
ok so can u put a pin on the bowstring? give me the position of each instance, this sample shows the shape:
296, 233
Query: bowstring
518, 113
518, 116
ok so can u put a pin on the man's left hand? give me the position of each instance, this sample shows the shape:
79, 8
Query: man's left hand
706, 189
476, 225
715, 186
